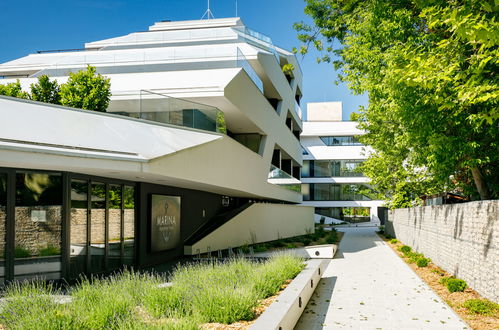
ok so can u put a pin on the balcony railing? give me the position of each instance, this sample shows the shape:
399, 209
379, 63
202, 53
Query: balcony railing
257, 39
164, 109
283, 179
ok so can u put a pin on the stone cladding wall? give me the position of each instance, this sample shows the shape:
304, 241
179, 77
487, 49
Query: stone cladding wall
463, 239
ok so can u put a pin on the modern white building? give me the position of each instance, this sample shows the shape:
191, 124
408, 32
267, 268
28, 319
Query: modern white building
199, 151
331, 154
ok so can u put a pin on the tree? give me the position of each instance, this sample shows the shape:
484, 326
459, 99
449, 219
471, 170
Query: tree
46, 91
429, 68
86, 90
14, 90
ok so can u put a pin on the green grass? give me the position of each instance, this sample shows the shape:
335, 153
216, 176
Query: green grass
201, 293
481, 306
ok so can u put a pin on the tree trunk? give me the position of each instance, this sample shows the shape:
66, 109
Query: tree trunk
480, 183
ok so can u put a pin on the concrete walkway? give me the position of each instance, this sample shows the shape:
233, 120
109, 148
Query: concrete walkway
367, 286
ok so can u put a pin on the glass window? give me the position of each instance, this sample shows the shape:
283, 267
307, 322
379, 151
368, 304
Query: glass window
340, 141
78, 227
115, 223
3, 218
348, 214
129, 225
339, 192
98, 227
38, 219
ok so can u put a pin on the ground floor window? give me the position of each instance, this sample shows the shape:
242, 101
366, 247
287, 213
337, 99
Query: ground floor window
55, 224
348, 214
102, 226
38, 224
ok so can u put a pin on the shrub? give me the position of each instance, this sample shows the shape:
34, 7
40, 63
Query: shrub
414, 256
481, 306
405, 249
21, 252
322, 220
381, 229
422, 262
454, 284
394, 241
49, 251
261, 247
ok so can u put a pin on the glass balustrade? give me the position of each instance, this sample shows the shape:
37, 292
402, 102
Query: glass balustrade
279, 177
164, 109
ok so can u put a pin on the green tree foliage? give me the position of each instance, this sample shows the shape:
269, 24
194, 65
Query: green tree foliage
14, 90
45, 90
430, 70
86, 90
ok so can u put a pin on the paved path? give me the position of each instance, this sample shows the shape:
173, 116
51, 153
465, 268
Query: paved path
367, 286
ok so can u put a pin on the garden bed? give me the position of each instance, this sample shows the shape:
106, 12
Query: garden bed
433, 276
201, 295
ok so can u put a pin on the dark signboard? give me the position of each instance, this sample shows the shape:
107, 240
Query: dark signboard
165, 222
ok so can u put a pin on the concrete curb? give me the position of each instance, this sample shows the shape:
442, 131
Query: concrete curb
287, 309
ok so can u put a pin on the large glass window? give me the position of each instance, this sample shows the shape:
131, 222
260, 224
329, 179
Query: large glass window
129, 225
78, 227
38, 220
3, 218
340, 141
336, 192
332, 168
348, 214
98, 227
115, 224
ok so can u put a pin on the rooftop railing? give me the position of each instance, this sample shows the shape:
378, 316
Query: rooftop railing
151, 60
165, 109
257, 39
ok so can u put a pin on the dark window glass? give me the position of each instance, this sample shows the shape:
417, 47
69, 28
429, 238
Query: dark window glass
115, 223
340, 192
340, 141
98, 227
38, 219
129, 225
336, 168
348, 214
3, 217
78, 227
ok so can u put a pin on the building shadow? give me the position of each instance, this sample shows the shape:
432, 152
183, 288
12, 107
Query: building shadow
356, 240
318, 305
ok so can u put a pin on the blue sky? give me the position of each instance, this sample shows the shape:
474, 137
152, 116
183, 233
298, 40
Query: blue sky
28, 26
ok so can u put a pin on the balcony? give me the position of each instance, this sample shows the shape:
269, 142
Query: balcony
164, 109
283, 179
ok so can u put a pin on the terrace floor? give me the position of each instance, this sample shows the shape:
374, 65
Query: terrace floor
367, 286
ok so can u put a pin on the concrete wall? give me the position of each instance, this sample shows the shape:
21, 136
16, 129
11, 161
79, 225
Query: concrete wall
463, 239
258, 223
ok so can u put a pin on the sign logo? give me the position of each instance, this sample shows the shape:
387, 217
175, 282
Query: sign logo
165, 222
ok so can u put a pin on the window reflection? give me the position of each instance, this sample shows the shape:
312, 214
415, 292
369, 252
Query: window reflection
3, 218
38, 218
115, 223
129, 224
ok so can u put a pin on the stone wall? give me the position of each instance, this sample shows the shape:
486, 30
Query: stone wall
463, 239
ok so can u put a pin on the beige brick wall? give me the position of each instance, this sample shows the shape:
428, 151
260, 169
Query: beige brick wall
463, 239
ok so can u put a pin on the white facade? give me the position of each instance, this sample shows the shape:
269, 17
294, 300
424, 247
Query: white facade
218, 63
330, 154
201, 113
